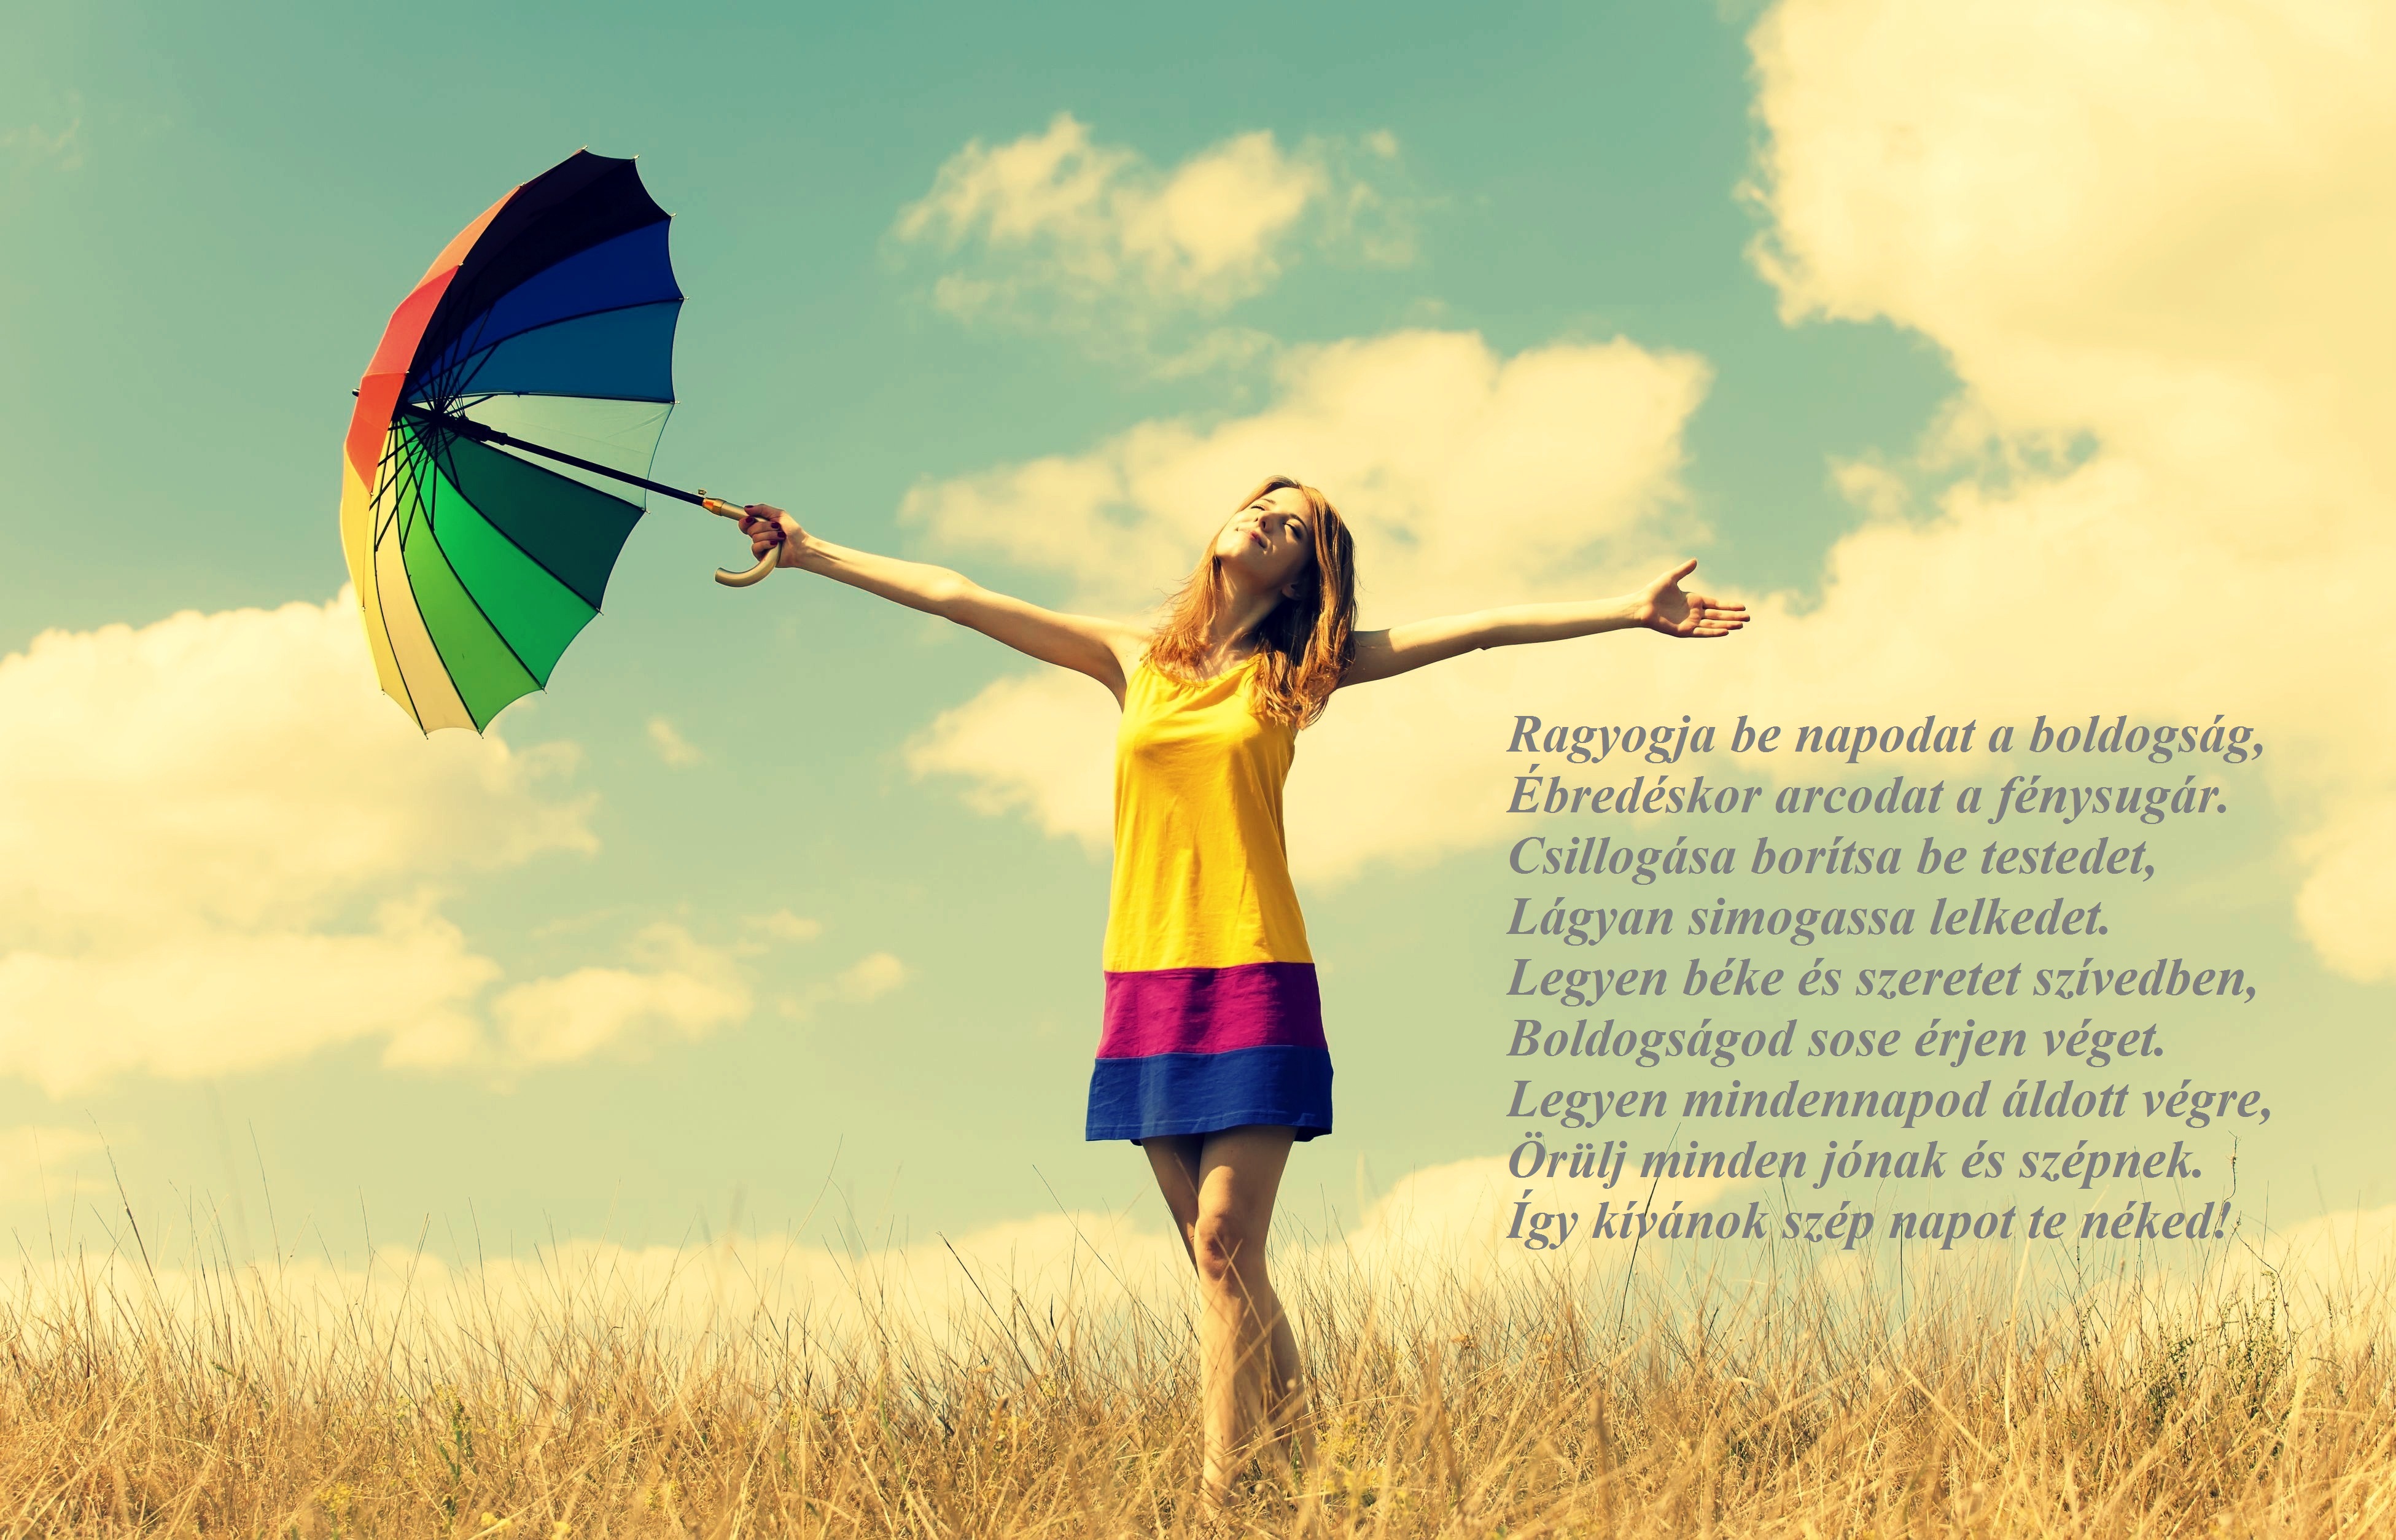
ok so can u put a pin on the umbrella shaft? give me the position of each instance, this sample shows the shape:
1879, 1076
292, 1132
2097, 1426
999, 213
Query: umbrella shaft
467, 428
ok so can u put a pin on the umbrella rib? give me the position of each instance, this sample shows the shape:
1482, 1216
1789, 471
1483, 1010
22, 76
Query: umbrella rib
469, 428
382, 481
537, 683
490, 433
407, 690
425, 531
408, 694
442, 383
647, 460
424, 509
554, 575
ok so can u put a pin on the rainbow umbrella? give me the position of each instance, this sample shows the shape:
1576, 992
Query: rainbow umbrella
497, 457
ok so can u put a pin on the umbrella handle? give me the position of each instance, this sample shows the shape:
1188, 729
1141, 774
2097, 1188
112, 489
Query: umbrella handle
766, 563
754, 575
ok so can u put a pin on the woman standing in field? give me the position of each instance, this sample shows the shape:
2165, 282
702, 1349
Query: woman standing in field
1212, 1055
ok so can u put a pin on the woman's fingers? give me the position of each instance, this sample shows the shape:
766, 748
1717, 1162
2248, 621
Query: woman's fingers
767, 528
1702, 618
1710, 617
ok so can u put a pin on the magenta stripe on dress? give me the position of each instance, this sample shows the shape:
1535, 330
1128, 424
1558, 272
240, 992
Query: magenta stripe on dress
1211, 1010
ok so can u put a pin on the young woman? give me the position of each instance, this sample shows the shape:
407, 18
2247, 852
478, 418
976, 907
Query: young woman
1212, 1055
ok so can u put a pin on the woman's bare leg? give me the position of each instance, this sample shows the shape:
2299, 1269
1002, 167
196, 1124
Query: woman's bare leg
1221, 1188
1286, 1405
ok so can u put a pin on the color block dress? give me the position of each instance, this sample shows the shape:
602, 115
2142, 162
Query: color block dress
1212, 1016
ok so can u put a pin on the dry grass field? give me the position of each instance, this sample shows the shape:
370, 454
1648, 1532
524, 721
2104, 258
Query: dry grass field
1544, 1405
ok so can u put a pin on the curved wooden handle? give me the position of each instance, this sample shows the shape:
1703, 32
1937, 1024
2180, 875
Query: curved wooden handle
754, 575
757, 573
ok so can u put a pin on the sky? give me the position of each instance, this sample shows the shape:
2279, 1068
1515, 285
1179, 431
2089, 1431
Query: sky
2009, 360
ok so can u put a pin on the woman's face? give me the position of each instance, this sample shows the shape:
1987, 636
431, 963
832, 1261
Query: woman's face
1271, 540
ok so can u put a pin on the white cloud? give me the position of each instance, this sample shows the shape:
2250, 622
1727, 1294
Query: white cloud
2344, 1251
208, 1002
2150, 237
1432, 1257
861, 983
1436, 1230
34, 145
38, 1163
686, 991
1036, 744
870, 978
1458, 468
1055, 230
2164, 230
217, 849
222, 850
1469, 478
672, 746
1453, 1220
782, 925
225, 770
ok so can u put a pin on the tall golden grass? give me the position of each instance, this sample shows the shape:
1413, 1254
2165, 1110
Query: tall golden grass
1580, 1404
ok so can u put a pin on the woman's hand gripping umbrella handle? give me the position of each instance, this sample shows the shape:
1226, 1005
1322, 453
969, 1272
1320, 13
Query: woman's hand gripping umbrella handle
766, 563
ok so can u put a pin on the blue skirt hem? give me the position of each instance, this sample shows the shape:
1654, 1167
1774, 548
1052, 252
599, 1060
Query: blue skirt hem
1161, 1094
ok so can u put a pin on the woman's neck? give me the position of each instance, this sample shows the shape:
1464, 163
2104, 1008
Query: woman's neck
1230, 636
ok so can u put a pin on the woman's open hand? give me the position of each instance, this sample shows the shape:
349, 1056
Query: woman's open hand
1664, 606
769, 527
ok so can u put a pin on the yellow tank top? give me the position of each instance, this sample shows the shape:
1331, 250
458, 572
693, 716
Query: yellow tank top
1202, 868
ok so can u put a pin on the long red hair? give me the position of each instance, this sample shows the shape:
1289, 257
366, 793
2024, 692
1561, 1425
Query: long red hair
1305, 644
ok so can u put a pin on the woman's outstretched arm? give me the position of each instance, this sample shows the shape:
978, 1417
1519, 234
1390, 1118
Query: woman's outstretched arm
1662, 606
1106, 650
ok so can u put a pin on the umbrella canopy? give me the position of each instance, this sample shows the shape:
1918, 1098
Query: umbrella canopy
545, 329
